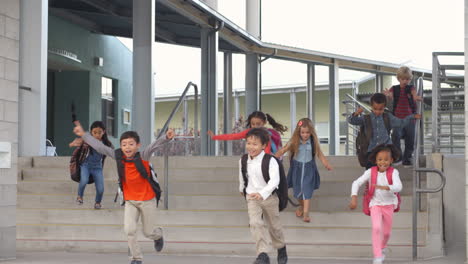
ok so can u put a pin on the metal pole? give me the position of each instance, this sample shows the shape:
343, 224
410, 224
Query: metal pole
292, 109
166, 182
186, 125
435, 103
334, 125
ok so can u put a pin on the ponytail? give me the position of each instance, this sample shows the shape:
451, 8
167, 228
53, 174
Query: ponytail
277, 126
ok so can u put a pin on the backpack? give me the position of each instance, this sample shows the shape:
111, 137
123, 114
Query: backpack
369, 191
152, 179
276, 143
282, 190
79, 155
364, 137
396, 97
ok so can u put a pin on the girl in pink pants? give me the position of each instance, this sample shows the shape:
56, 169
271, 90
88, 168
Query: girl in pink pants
384, 200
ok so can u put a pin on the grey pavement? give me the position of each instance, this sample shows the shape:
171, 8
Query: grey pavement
119, 258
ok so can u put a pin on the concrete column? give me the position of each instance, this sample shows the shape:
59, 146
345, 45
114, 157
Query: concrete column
143, 72
466, 127
236, 106
10, 34
310, 92
378, 83
33, 69
334, 88
209, 92
292, 109
252, 64
227, 99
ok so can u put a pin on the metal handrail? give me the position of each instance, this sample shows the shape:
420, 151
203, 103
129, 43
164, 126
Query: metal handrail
352, 102
417, 190
356, 101
164, 129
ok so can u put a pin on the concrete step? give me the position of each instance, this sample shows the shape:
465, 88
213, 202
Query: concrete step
247, 248
188, 202
72, 216
220, 187
218, 233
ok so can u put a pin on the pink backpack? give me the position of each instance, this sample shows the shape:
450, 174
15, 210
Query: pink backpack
369, 191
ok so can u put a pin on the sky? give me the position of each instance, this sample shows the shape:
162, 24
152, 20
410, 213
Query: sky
397, 31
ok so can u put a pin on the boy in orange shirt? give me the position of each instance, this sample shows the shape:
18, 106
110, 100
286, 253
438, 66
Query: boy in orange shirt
137, 184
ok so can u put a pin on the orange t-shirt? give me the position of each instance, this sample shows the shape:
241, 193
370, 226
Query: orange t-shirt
135, 187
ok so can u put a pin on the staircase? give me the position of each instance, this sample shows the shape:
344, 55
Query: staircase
206, 215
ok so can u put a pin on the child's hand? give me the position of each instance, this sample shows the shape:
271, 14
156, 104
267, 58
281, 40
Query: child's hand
353, 202
417, 98
327, 166
78, 130
359, 111
417, 116
76, 143
387, 92
255, 196
170, 134
210, 133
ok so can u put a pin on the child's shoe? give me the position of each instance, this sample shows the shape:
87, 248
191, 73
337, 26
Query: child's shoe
262, 259
282, 255
159, 244
79, 200
97, 206
135, 261
377, 261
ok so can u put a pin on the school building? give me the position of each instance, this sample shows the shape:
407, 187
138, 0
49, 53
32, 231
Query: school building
57, 55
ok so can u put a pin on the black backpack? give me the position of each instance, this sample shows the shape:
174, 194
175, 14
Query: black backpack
152, 179
282, 191
364, 137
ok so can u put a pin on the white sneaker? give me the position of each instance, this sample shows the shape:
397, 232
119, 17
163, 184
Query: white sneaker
377, 261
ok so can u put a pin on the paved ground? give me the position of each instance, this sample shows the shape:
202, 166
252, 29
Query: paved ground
88, 258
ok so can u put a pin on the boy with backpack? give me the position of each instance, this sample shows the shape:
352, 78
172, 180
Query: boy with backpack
263, 183
404, 97
375, 127
140, 190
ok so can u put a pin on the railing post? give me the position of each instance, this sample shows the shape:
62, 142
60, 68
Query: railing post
166, 182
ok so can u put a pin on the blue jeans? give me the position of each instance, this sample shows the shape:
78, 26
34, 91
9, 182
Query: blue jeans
407, 133
96, 171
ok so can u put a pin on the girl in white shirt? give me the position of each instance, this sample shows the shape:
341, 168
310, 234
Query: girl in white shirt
384, 200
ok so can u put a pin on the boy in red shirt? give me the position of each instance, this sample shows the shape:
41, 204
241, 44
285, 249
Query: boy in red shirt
136, 182
404, 97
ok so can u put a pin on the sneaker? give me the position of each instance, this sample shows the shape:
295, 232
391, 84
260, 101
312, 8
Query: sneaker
79, 200
377, 261
135, 261
262, 259
282, 256
97, 206
407, 163
159, 244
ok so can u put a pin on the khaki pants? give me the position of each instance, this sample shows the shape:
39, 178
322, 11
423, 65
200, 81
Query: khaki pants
147, 210
269, 209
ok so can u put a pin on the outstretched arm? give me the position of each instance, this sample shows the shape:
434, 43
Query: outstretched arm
324, 160
283, 150
77, 142
233, 136
149, 150
94, 143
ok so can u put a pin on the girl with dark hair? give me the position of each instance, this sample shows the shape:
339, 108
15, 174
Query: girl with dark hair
258, 119
381, 198
303, 175
91, 163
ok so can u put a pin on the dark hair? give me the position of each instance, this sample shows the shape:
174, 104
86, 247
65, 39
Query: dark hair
101, 125
394, 152
130, 134
266, 117
378, 98
260, 133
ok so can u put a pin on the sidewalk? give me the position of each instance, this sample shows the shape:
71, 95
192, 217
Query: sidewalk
118, 258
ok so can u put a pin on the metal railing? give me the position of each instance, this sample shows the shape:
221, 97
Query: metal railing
417, 190
444, 126
165, 127
352, 104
